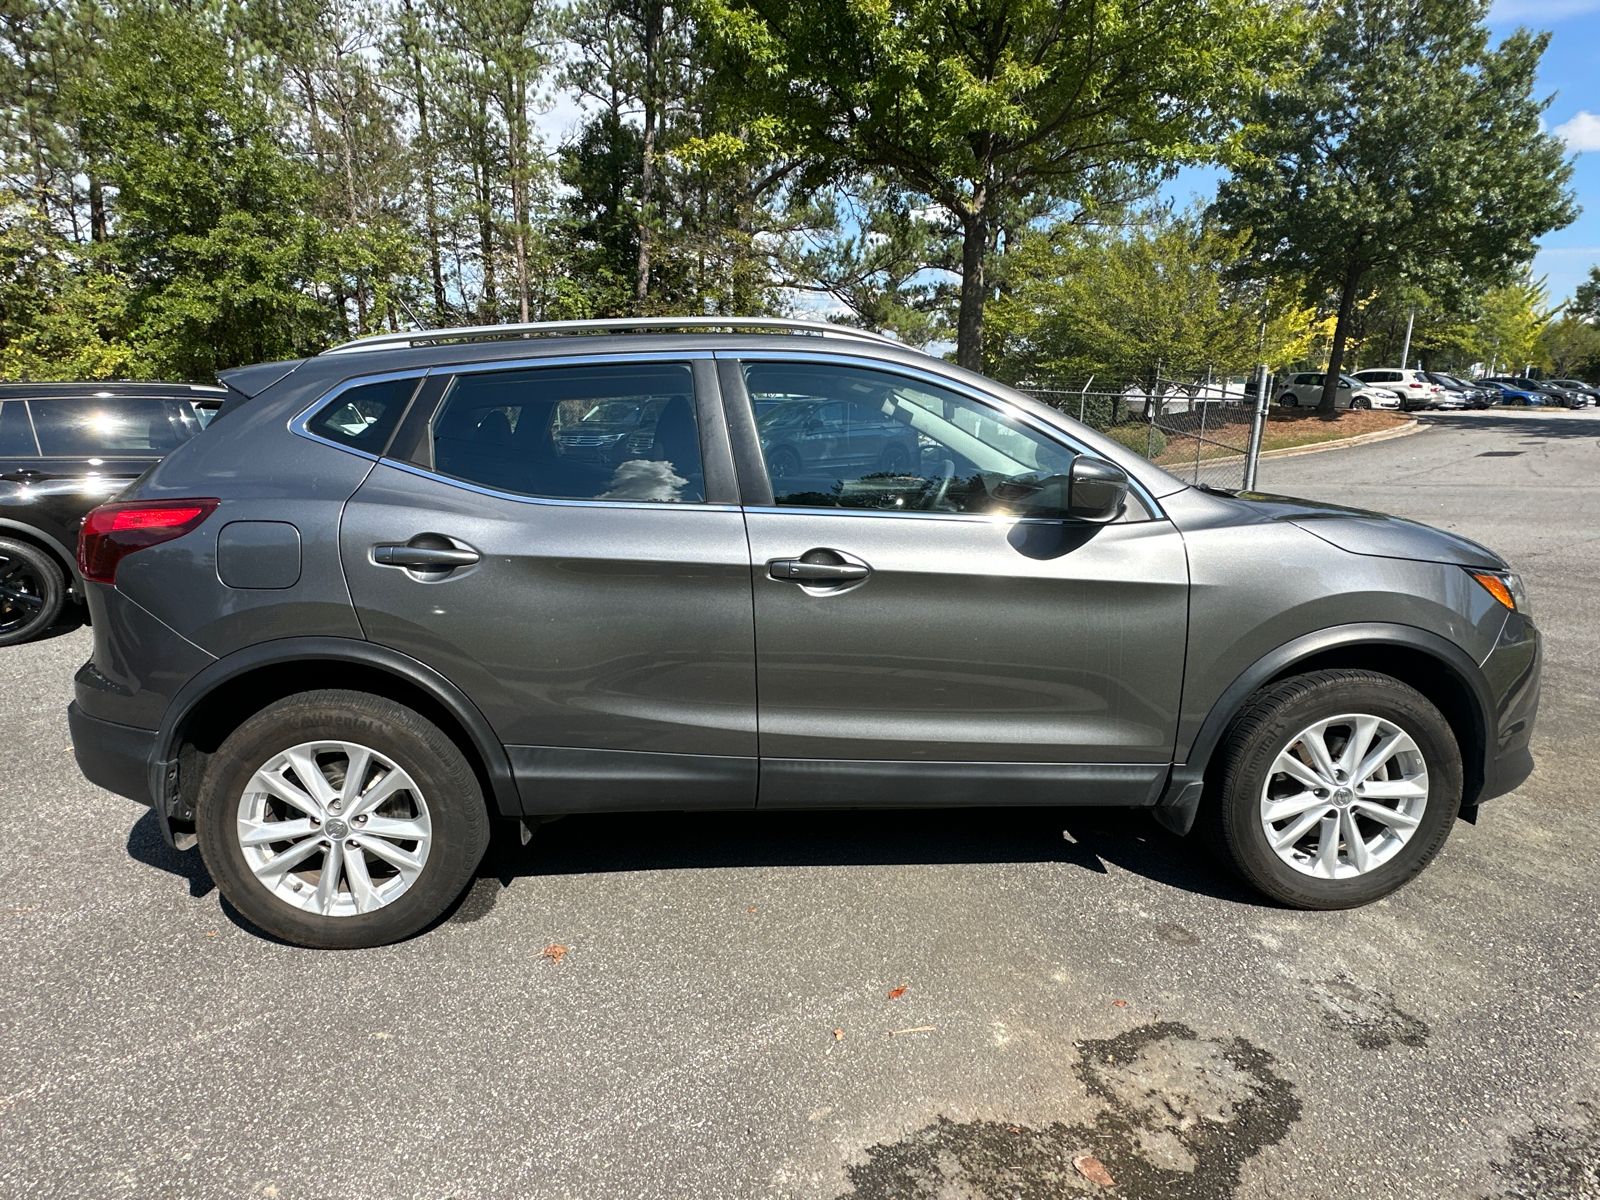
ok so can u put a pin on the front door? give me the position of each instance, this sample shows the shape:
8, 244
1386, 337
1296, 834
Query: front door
585, 590
918, 642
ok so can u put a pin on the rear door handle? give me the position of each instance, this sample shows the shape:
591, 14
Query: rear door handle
793, 570
401, 555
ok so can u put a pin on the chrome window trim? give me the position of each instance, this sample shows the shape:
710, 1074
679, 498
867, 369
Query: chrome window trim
959, 388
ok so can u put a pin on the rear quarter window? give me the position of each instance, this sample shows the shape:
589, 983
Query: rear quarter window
364, 416
127, 426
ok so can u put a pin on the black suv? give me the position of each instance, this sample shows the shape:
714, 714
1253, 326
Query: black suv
64, 448
386, 597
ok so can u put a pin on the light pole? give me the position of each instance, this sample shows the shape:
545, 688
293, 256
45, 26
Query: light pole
1405, 351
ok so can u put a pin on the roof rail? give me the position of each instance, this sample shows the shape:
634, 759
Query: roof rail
386, 341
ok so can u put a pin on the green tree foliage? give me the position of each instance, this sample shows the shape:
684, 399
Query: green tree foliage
211, 240
1127, 305
1407, 151
1585, 303
987, 105
1571, 347
1508, 334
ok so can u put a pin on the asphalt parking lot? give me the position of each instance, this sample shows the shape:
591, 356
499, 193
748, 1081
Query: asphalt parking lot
720, 1021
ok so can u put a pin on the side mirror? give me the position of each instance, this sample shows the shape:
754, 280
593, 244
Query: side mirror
1097, 491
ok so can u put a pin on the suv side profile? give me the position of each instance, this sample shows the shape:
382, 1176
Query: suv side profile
64, 448
1306, 389
378, 604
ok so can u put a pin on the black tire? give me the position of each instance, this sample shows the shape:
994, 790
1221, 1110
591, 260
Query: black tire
1360, 404
455, 808
783, 463
895, 459
1230, 814
1289, 401
33, 591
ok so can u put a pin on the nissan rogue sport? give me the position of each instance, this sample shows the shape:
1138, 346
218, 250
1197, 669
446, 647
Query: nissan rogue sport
387, 597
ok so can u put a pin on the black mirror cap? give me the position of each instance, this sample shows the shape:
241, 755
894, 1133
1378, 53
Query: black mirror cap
1099, 490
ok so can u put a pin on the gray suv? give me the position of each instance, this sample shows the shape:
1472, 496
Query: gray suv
386, 597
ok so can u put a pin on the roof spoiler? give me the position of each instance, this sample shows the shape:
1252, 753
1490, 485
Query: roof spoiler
246, 383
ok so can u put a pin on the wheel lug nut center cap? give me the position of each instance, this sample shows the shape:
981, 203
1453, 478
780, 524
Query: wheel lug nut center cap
1343, 796
335, 828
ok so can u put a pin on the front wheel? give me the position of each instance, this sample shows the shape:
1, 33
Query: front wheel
1336, 788
340, 819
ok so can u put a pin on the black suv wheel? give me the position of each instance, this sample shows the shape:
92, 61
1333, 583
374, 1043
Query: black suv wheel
1336, 788
340, 819
32, 592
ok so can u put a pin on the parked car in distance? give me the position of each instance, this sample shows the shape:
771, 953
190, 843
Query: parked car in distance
1415, 389
64, 448
1572, 398
1589, 391
1513, 394
1470, 395
1305, 391
1536, 389
373, 607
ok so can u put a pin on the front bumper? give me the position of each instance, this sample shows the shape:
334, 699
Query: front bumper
1512, 670
115, 757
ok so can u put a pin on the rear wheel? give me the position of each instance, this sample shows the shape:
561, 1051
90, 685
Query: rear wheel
32, 592
1289, 401
340, 819
895, 459
1336, 788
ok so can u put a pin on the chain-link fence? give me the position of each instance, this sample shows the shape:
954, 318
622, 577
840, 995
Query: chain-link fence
1201, 432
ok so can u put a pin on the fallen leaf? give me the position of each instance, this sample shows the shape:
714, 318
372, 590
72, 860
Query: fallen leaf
898, 992
211, 933
1119, 1004
1016, 1129
838, 1035
555, 952
1092, 1169
752, 910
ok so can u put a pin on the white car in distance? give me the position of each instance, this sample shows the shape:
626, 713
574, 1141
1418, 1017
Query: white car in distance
1305, 391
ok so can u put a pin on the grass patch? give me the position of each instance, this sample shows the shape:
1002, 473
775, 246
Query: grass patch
1286, 429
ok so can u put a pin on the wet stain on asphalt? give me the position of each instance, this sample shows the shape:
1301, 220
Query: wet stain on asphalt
1183, 1114
1371, 1018
1554, 1163
1177, 935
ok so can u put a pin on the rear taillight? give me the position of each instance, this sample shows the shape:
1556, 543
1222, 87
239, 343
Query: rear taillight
113, 531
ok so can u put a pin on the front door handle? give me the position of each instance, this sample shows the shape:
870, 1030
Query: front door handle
400, 555
794, 570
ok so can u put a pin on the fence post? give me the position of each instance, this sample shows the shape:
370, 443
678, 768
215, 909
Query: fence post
1199, 442
1257, 427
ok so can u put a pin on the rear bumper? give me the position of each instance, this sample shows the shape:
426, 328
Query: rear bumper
115, 757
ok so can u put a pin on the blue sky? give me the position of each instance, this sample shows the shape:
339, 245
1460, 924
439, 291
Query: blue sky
1571, 70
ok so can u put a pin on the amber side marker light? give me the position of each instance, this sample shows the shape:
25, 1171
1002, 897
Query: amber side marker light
1496, 587
113, 531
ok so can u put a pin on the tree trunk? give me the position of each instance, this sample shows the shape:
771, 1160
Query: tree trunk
969, 320
1330, 382
652, 40
97, 210
430, 199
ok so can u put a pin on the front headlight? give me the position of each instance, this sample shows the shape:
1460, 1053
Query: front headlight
1506, 587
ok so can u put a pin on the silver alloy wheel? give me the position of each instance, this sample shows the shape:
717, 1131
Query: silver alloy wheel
1344, 796
334, 828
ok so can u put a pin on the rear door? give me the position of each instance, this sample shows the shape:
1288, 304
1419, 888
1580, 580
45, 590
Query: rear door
592, 598
917, 643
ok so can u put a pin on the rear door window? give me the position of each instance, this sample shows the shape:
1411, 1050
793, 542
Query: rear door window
622, 432
113, 426
16, 434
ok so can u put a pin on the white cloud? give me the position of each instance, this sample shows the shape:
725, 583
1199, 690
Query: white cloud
1580, 133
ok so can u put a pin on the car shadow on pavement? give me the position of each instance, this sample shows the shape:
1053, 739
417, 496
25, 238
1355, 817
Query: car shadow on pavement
1090, 838
146, 845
